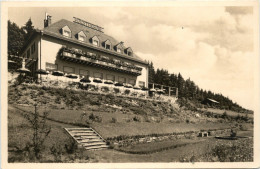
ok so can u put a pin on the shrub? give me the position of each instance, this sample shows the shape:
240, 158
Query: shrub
113, 120
187, 120
127, 92
56, 151
137, 119
71, 146
116, 90
224, 115
138, 110
40, 131
95, 118
105, 89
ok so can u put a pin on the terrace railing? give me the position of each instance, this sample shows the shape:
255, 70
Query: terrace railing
95, 60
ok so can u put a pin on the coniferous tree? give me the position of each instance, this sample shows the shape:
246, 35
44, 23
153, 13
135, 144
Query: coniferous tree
28, 28
15, 38
151, 73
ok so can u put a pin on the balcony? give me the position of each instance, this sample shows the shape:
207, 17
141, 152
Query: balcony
92, 59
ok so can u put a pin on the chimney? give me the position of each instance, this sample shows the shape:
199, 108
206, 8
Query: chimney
122, 43
47, 20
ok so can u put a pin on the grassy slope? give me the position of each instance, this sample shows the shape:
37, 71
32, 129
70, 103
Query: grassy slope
121, 127
171, 121
229, 112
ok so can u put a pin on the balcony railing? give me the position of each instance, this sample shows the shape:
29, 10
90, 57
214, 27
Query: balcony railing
93, 60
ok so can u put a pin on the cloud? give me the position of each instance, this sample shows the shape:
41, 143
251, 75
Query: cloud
238, 10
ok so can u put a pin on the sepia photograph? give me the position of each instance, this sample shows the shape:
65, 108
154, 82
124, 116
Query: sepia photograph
166, 84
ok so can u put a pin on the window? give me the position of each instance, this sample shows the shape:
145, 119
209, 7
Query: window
67, 69
98, 75
81, 38
95, 42
28, 53
83, 72
129, 53
121, 79
141, 84
51, 67
119, 50
132, 81
33, 48
108, 46
67, 33
111, 77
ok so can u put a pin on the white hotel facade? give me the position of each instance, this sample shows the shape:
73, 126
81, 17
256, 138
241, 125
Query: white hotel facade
83, 49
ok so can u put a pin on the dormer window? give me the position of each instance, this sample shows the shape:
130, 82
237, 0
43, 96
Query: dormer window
95, 41
66, 31
129, 51
119, 50
119, 47
108, 46
81, 36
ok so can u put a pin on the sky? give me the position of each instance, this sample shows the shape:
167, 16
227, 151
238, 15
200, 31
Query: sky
211, 45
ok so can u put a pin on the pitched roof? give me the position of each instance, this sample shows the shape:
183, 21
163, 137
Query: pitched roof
76, 28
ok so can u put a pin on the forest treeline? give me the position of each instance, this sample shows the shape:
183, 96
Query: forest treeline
188, 90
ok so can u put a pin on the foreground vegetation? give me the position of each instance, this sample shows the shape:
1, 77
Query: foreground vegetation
117, 119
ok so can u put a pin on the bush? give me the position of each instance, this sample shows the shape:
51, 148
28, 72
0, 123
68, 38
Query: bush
95, 118
116, 90
105, 89
138, 110
224, 115
127, 92
40, 131
137, 119
113, 120
71, 146
56, 151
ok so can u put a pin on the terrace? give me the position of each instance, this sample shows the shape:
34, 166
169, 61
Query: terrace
93, 59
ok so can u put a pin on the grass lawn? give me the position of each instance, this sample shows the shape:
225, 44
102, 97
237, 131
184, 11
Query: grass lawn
19, 133
145, 148
121, 127
199, 150
229, 112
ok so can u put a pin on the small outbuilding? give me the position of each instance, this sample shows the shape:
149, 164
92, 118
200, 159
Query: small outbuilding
210, 101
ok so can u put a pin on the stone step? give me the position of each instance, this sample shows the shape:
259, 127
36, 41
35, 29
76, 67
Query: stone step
83, 134
87, 131
93, 144
79, 129
96, 147
90, 140
90, 137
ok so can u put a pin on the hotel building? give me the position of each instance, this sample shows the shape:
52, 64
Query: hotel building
82, 48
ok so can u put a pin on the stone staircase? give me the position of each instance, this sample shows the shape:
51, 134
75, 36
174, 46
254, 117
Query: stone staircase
88, 138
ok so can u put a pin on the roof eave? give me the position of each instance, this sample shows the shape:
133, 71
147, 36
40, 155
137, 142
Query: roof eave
93, 47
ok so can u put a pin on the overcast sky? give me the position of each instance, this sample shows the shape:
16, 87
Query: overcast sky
211, 45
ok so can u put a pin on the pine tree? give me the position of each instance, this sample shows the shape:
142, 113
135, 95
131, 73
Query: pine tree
15, 38
151, 73
180, 85
28, 28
